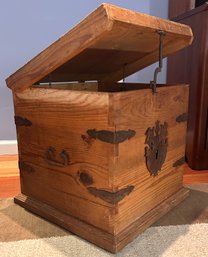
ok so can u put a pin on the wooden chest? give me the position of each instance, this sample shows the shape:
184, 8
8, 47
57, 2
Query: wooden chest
98, 157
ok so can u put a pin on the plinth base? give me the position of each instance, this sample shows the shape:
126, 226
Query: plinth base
107, 241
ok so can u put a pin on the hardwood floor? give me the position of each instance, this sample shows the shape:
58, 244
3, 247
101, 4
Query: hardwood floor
9, 176
9, 166
9, 187
194, 176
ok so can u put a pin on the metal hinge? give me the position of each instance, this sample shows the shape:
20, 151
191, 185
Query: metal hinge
153, 84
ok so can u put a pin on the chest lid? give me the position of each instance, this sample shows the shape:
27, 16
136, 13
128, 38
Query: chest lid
108, 45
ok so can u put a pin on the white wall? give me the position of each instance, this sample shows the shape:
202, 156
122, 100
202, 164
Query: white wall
27, 27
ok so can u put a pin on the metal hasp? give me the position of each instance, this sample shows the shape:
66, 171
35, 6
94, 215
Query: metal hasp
153, 83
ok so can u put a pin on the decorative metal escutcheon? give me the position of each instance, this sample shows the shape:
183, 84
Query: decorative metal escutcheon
61, 160
156, 151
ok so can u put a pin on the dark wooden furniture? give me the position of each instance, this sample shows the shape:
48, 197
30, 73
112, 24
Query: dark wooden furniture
191, 66
199, 2
178, 7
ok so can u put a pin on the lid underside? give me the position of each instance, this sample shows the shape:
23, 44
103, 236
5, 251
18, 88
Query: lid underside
108, 45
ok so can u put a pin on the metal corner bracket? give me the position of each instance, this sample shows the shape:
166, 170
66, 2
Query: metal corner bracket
153, 83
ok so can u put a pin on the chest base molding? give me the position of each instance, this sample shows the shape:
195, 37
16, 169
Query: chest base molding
107, 241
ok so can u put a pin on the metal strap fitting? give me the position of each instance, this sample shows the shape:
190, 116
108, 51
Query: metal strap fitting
153, 83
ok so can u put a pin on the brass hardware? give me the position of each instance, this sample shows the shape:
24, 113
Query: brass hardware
51, 157
153, 83
156, 151
112, 137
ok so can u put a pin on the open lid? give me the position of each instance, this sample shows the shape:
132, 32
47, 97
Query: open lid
108, 45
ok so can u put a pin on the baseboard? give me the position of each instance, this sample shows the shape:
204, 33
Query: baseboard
8, 147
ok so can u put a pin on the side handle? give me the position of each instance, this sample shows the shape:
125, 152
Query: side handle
51, 157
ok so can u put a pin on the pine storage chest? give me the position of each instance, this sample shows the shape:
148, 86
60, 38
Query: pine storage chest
99, 157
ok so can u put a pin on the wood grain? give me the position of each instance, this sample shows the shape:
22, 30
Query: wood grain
141, 109
149, 218
82, 109
92, 212
141, 106
107, 241
10, 181
111, 167
89, 232
59, 121
58, 53
123, 38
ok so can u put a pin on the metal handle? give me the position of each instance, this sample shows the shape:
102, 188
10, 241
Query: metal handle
51, 157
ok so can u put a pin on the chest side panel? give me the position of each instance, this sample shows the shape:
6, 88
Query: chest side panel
140, 111
58, 159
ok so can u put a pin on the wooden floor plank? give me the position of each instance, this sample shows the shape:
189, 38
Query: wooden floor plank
194, 176
9, 187
8, 157
105, 240
9, 176
9, 166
